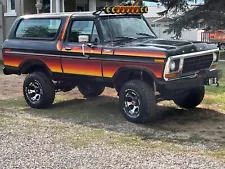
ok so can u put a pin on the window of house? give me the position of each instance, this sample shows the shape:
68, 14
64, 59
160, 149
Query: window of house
38, 28
83, 28
11, 6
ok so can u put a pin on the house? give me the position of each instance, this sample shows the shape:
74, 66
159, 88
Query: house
160, 23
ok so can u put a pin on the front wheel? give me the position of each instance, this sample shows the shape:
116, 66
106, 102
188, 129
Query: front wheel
222, 46
137, 101
191, 98
91, 90
38, 90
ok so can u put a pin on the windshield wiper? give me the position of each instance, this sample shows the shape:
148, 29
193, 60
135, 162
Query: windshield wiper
124, 38
145, 34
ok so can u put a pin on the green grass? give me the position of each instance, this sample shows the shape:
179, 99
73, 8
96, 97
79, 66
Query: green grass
216, 95
100, 110
1, 66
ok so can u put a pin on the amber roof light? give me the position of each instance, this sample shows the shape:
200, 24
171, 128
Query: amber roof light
126, 9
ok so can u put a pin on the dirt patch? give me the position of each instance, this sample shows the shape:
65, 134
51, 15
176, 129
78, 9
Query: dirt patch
11, 86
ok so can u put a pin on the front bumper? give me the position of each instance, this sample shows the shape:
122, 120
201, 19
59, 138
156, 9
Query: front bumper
200, 78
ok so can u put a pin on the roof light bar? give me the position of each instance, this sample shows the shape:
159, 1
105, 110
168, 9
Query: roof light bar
126, 9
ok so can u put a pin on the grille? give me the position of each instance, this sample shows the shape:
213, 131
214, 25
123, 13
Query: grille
197, 63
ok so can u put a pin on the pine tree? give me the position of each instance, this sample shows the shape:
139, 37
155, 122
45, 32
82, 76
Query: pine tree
211, 14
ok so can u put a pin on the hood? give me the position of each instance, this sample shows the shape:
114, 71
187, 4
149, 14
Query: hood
170, 47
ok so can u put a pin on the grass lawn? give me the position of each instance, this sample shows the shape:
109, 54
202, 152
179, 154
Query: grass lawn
1, 66
216, 95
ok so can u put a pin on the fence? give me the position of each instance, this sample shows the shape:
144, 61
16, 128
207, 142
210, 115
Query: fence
205, 37
191, 35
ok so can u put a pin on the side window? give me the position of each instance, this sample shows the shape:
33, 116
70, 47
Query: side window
38, 28
83, 28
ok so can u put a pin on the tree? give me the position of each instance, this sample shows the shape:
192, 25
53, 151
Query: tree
211, 14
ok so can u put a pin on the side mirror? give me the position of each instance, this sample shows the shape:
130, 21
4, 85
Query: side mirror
83, 38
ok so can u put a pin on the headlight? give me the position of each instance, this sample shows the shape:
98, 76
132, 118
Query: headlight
172, 65
215, 56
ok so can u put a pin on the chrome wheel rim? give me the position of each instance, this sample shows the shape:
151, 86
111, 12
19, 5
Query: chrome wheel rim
132, 103
34, 91
222, 47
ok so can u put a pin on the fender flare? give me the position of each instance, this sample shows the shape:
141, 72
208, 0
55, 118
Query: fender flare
131, 69
30, 62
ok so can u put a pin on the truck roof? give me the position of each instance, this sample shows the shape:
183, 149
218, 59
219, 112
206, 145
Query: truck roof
74, 14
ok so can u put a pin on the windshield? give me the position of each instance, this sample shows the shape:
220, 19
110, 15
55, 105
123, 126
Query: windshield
121, 28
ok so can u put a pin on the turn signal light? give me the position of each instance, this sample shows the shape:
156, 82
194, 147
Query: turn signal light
126, 9
214, 65
171, 75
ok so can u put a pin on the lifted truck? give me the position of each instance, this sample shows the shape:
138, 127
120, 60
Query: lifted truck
218, 37
113, 48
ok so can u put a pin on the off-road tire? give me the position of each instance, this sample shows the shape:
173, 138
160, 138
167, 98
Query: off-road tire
48, 89
146, 97
222, 46
191, 99
91, 90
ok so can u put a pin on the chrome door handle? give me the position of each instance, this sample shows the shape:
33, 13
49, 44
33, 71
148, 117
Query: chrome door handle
68, 48
84, 52
107, 50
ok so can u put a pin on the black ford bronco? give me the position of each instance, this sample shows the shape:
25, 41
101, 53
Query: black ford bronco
114, 48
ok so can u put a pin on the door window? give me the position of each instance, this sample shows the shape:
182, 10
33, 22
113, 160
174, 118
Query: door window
83, 28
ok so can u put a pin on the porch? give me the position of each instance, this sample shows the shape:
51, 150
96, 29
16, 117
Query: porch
52, 6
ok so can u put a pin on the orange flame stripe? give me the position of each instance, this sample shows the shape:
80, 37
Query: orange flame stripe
141, 53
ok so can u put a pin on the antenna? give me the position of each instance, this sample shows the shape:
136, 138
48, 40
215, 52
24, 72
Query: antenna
99, 10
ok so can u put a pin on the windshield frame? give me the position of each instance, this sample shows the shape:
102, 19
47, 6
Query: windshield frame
105, 17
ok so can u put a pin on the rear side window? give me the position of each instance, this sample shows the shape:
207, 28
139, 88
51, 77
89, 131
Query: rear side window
38, 28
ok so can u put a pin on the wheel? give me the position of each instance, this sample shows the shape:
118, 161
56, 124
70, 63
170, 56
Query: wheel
90, 90
38, 90
191, 99
222, 46
137, 101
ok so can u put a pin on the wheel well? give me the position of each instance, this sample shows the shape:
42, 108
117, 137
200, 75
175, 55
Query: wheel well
30, 67
130, 74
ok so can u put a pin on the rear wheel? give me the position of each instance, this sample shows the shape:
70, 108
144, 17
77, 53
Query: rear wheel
191, 98
38, 90
137, 101
90, 90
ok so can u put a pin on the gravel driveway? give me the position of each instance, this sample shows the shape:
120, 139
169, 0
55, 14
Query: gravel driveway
91, 137
38, 148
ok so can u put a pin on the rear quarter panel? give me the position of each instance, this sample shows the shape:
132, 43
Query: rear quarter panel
17, 51
20, 51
